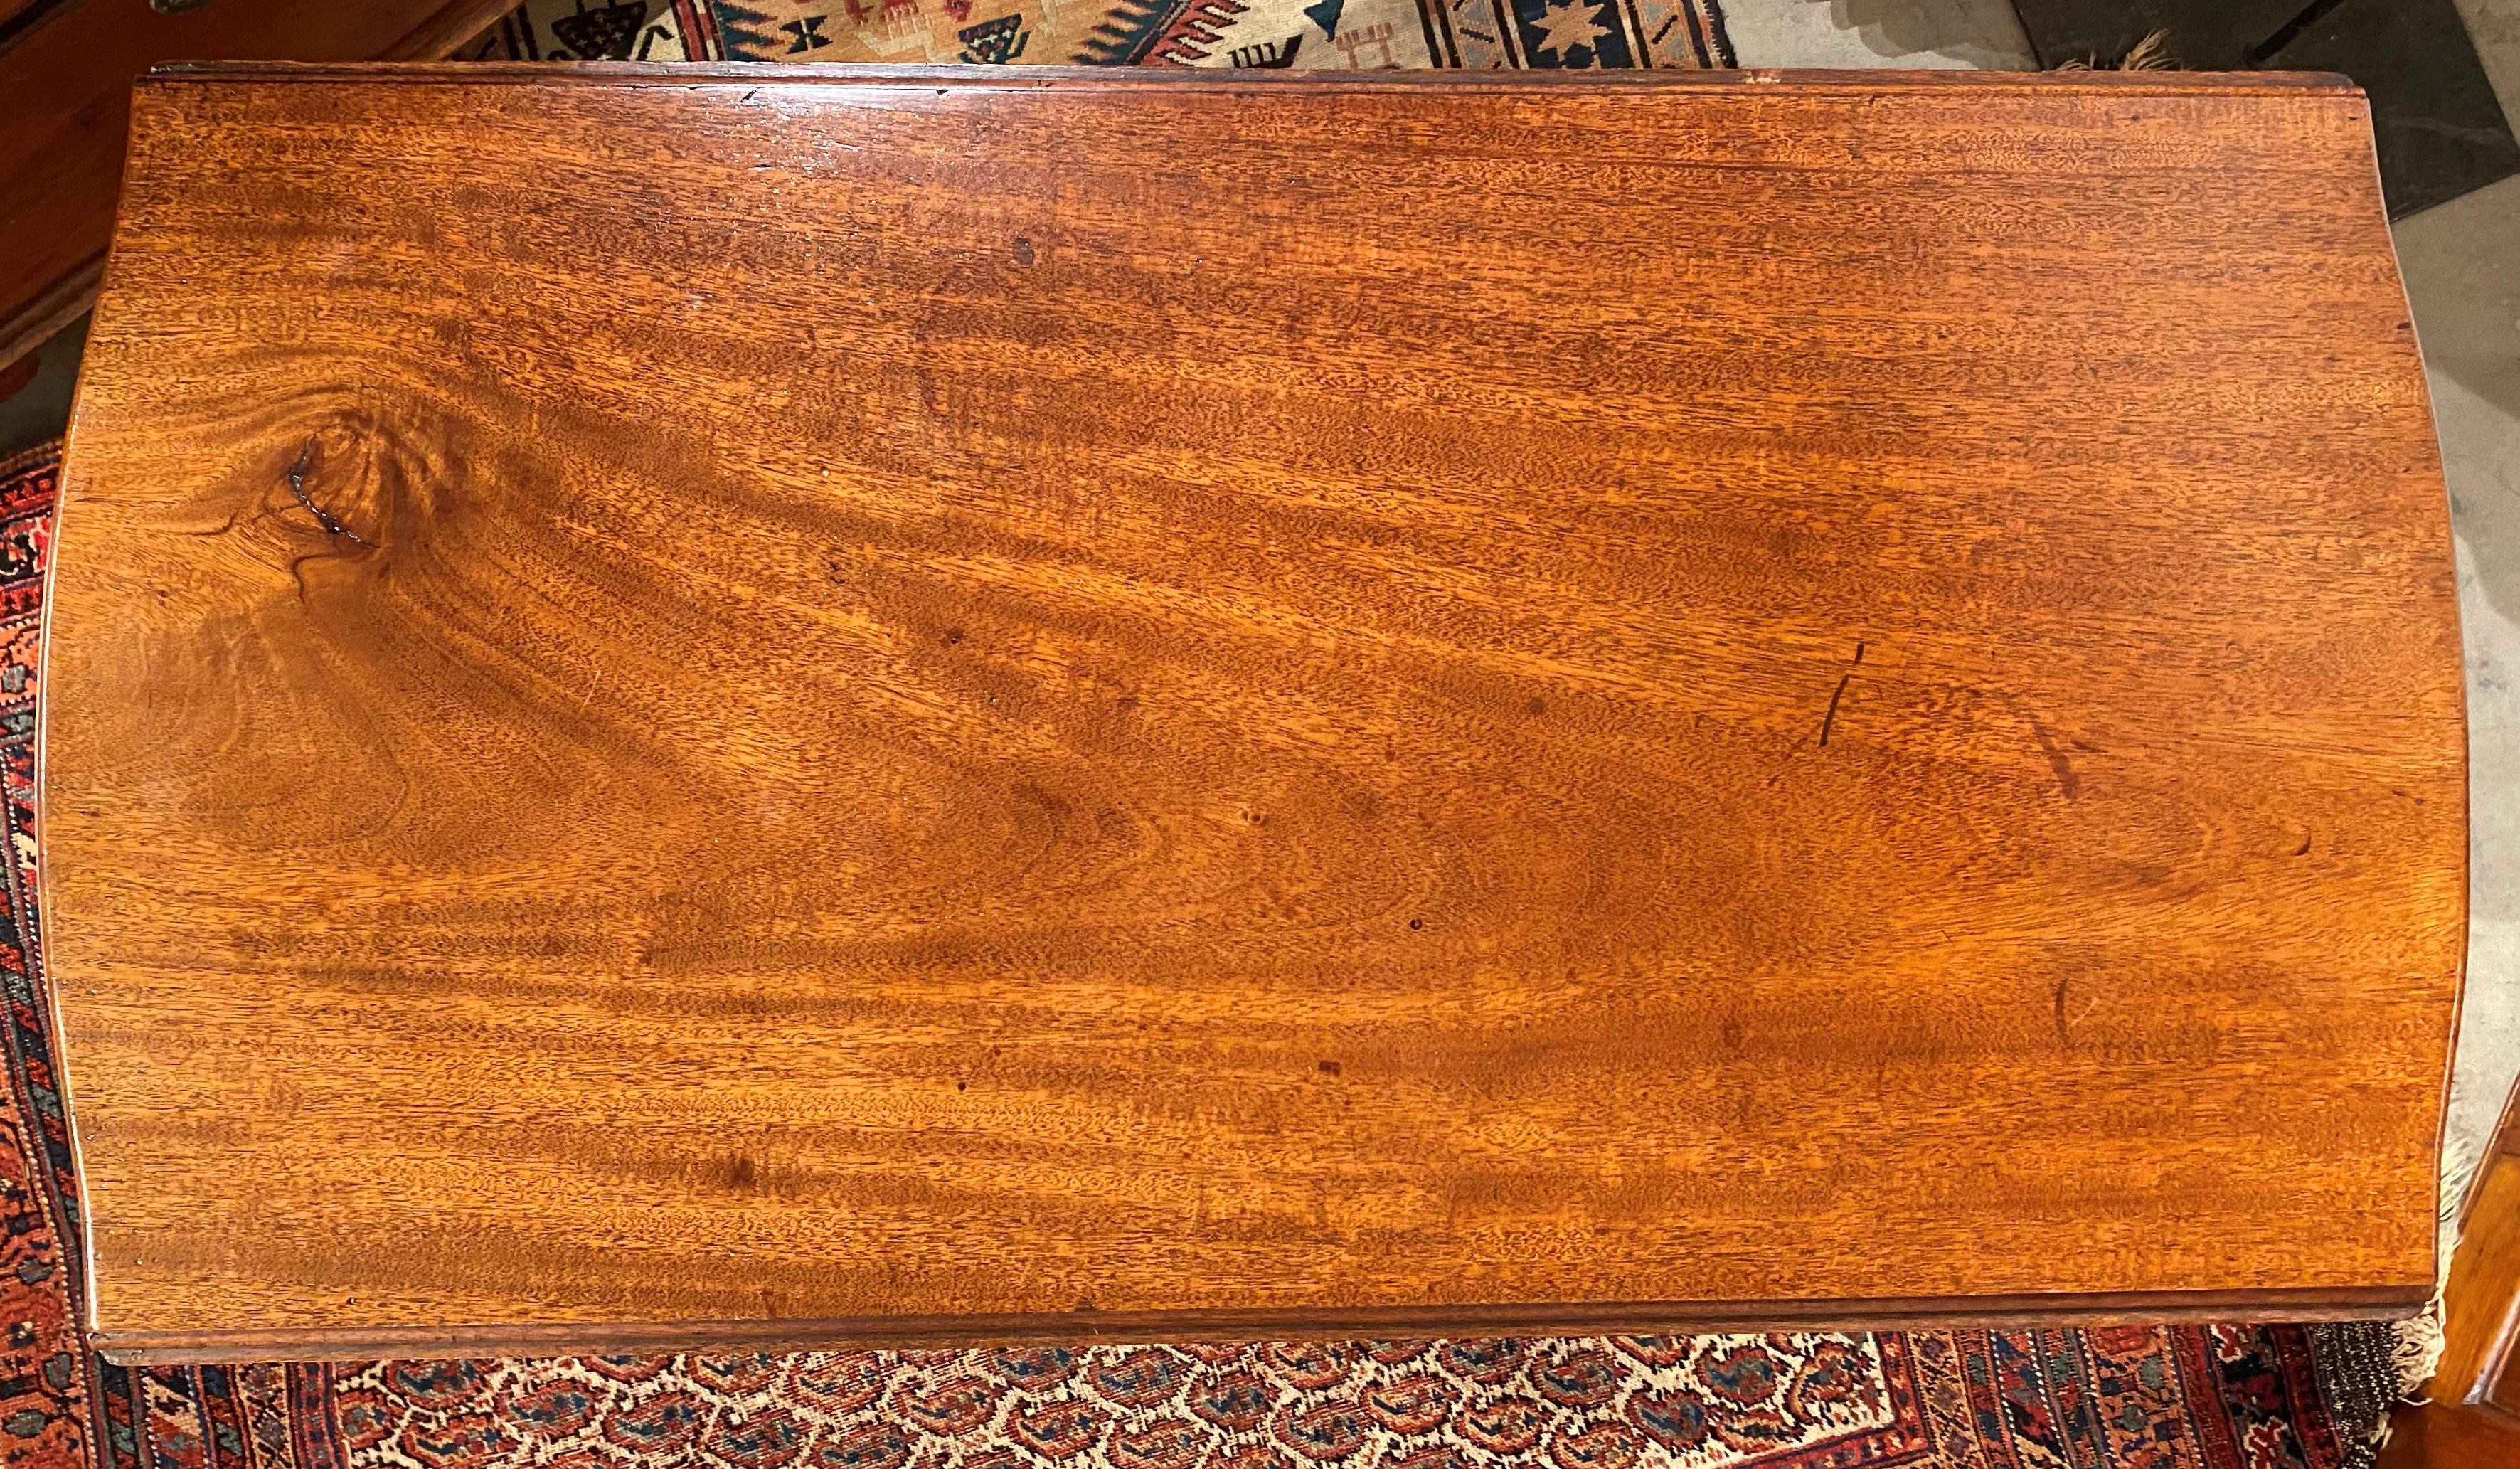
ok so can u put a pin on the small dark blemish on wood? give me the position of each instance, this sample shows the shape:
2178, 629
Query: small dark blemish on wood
1023, 250
2066, 780
739, 1174
962, 1086
1415, 924
1537, 706
1328, 1068
953, 635
2303, 850
2064, 1035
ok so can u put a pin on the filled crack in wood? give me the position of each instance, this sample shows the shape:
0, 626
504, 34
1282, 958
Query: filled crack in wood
331, 522
1828, 720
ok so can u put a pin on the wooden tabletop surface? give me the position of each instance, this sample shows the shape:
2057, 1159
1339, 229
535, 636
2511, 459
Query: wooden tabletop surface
765, 706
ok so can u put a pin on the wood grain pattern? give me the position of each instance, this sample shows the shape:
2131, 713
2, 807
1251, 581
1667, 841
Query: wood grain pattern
2464, 1416
2480, 1298
2444, 1438
66, 70
980, 704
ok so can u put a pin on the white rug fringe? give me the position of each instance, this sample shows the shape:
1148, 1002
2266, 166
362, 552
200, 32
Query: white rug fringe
2417, 1348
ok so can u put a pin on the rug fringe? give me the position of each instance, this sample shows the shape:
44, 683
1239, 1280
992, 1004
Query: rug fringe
2415, 1349
2413, 1353
2151, 54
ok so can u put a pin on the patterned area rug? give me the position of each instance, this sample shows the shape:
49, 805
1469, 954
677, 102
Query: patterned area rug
2133, 1398
1345, 35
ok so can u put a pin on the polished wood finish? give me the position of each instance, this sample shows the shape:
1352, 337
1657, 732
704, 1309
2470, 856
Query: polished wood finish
2483, 1286
2440, 1436
2468, 1416
67, 68
1082, 1327
740, 705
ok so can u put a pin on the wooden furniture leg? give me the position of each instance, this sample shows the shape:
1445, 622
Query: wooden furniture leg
2473, 1416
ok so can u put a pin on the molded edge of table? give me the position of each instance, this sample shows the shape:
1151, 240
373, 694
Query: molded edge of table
2139, 1308
1173, 79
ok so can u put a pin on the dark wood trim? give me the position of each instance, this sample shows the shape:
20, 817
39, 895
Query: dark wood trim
2439, 1437
63, 292
16, 24
498, 1339
771, 73
70, 298
441, 34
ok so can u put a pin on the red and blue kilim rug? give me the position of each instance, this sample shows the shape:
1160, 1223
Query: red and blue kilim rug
2133, 1398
